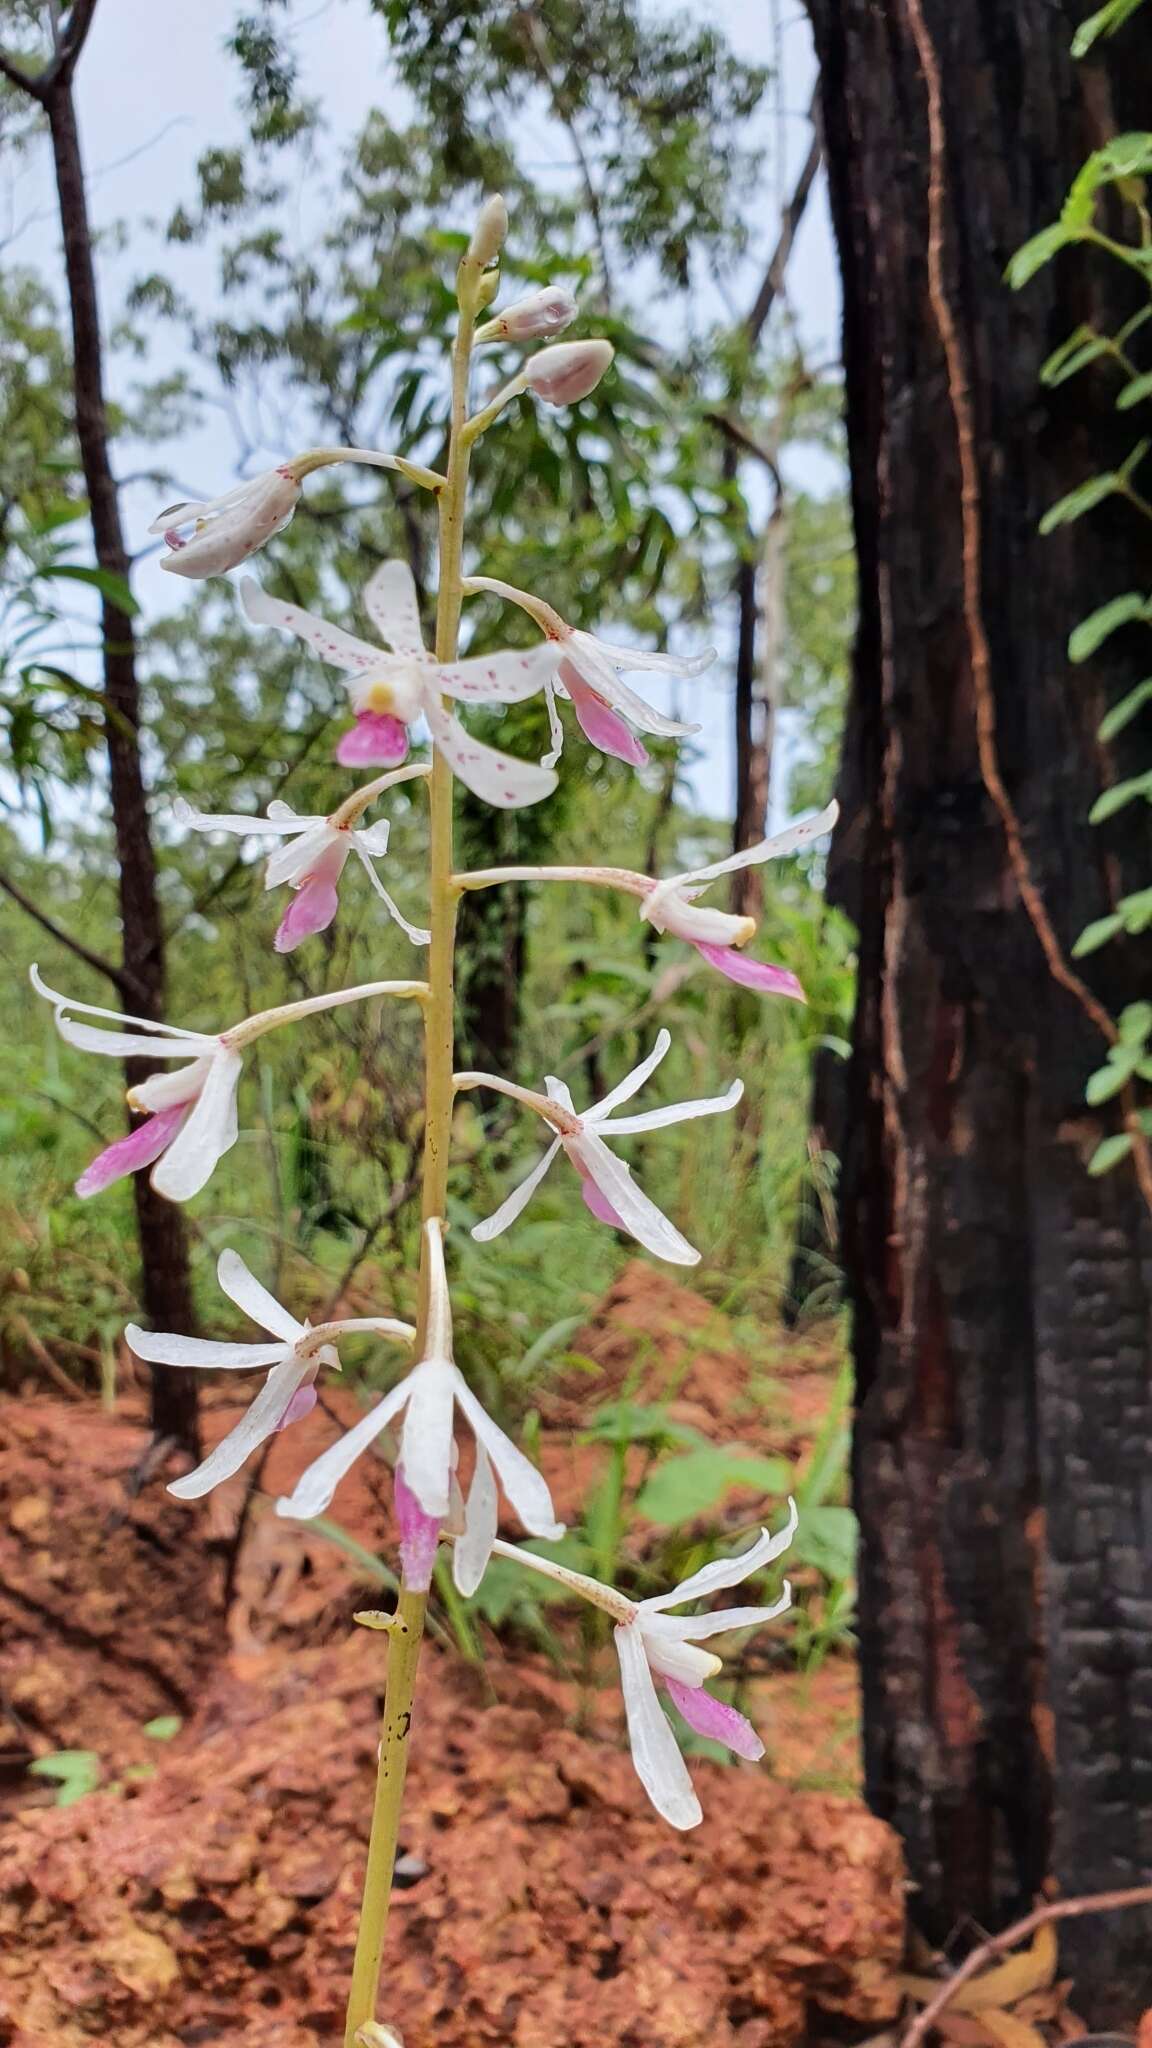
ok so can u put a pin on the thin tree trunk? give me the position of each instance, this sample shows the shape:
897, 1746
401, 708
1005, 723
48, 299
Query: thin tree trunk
166, 1283
1000, 1296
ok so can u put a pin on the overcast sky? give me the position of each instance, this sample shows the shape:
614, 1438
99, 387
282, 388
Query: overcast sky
156, 87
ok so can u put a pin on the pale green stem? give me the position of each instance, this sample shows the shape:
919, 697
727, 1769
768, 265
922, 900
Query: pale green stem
604, 878
439, 1047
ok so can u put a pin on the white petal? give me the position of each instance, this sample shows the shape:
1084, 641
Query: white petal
509, 1209
415, 932
341, 649
494, 777
242, 1287
648, 658
639, 1216
251, 1431
211, 1130
126, 1044
633, 1082
391, 604
117, 1016
373, 839
673, 1659
227, 821
555, 729
318, 1482
559, 1091
168, 1091
291, 863
438, 1322
525, 1487
696, 1628
161, 1348
602, 677
673, 1113
426, 1443
474, 1547
506, 678
781, 843
728, 1571
659, 1765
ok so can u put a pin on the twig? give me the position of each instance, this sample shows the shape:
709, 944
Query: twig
980, 659
997, 1944
790, 220
22, 1328
121, 978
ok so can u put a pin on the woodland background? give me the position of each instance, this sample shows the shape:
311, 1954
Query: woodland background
921, 1305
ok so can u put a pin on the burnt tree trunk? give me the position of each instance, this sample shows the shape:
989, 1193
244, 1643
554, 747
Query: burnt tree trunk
166, 1284
1000, 1295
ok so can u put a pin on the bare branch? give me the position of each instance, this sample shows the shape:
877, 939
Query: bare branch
120, 977
21, 79
790, 221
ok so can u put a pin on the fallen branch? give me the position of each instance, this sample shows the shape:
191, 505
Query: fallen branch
997, 1944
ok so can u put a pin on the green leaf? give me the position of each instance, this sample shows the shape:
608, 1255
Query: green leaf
1136, 392
1135, 1023
1081, 500
1092, 632
684, 1487
1121, 794
111, 586
1104, 22
1109, 1153
1135, 911
164, 1727
76, 1771
1082, 347
1097, 934
1124, 712
1036, 253
827, 1539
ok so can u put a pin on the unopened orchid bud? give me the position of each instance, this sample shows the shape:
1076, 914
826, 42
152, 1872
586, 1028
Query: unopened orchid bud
226, 530
489, 232
373, 2035
545, 312
568, 372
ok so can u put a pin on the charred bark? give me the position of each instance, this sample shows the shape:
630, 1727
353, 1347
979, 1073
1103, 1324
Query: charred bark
166, 1283
1000, 1296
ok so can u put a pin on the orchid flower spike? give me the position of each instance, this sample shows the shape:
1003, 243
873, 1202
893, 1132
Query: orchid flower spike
587, 672
391, 691
653, 1644
227, 529
293, 1358
314, 862
607, 1186
670, 906
192, 1119
426, 1491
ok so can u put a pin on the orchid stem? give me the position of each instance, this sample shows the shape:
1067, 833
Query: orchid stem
439, 1050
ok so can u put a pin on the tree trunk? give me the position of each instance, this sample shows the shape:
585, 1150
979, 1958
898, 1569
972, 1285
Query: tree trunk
166, 1283
1000, 1296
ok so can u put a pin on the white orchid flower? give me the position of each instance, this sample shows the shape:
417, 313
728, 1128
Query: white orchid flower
228, 529
653, 1644
313, 864
426, 1493
607, 1186
670, 905
192, 1119
587, 671
293, 1360
390, 691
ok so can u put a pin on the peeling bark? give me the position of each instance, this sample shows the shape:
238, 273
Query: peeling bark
1000, 1296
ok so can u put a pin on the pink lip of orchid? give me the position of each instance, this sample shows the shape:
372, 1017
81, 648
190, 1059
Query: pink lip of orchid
293, 1360
314, 862
587, 672
193, 1116
653, 1644
428, 1397
392, 690
609, 1189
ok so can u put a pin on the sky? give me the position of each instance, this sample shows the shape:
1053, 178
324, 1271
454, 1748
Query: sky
156, 86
